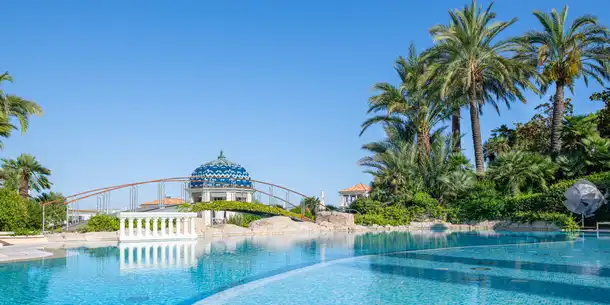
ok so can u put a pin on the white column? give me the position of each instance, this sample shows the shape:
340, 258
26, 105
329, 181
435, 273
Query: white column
163, 221
248, 197
139, 230
155, 220
130, 226
185, 229
170, 226
192, 220
229, 196
122, 229
178, 226
147, 226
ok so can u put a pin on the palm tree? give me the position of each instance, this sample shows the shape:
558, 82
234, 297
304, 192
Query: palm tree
566, 54
410, 103
12, 106
28, 173
516, 169
469, 57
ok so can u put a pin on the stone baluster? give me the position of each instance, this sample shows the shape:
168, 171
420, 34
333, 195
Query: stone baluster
163, 221
170, 226
178, 226
147, 226
185, 229
130, 226
122, 228
192, 221
155, 225
139, 229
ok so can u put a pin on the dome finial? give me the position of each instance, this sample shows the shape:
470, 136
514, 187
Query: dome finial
222, 156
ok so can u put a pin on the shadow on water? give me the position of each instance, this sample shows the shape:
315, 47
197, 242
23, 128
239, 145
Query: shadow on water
509, 264
536, 287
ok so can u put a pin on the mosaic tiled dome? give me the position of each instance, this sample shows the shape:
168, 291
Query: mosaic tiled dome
221, 172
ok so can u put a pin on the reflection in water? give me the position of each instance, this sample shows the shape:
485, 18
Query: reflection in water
166, 254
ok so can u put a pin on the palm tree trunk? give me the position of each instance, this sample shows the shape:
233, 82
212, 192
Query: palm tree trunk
456, 131
476, 135
557, 122
24, 186
424, 140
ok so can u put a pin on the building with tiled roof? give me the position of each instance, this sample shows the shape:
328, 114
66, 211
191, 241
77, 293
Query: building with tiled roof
352, 193
221, 179
167, 201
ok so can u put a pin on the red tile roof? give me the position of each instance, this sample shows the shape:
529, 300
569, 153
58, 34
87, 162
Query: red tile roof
357, 188
166, 201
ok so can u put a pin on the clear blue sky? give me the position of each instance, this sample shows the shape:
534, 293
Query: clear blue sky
138, 90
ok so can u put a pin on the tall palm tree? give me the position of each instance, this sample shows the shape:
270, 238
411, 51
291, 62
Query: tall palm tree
566, 54
411, 102
28, 173
469, 57
12, 106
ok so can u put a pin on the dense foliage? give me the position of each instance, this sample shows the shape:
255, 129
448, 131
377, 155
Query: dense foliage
102, 223
418, 169
245, 207
242, 220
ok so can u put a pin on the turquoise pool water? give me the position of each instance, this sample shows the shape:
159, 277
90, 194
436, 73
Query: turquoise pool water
385, 268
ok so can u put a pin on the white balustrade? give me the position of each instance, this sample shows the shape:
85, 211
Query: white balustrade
157, 254
185, 226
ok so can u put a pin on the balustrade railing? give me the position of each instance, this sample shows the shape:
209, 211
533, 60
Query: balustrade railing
139, 226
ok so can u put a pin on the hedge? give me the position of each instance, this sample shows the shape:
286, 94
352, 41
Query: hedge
242, 207
563, 221
552, 199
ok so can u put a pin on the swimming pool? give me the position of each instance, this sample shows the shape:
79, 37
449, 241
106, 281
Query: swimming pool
338, 268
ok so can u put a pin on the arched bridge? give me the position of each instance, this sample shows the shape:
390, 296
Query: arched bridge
275, 195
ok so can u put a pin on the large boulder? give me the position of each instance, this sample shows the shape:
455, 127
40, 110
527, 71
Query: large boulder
280, 224
335, 218
229, 229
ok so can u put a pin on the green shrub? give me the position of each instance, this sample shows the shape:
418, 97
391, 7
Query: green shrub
242, 220
366, 206
297, 210
484, 202
563, 221
25, 232
13, 211
242, 207
552, 199
102, 223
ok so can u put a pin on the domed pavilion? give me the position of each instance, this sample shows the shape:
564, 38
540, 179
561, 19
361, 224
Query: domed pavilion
221, 179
